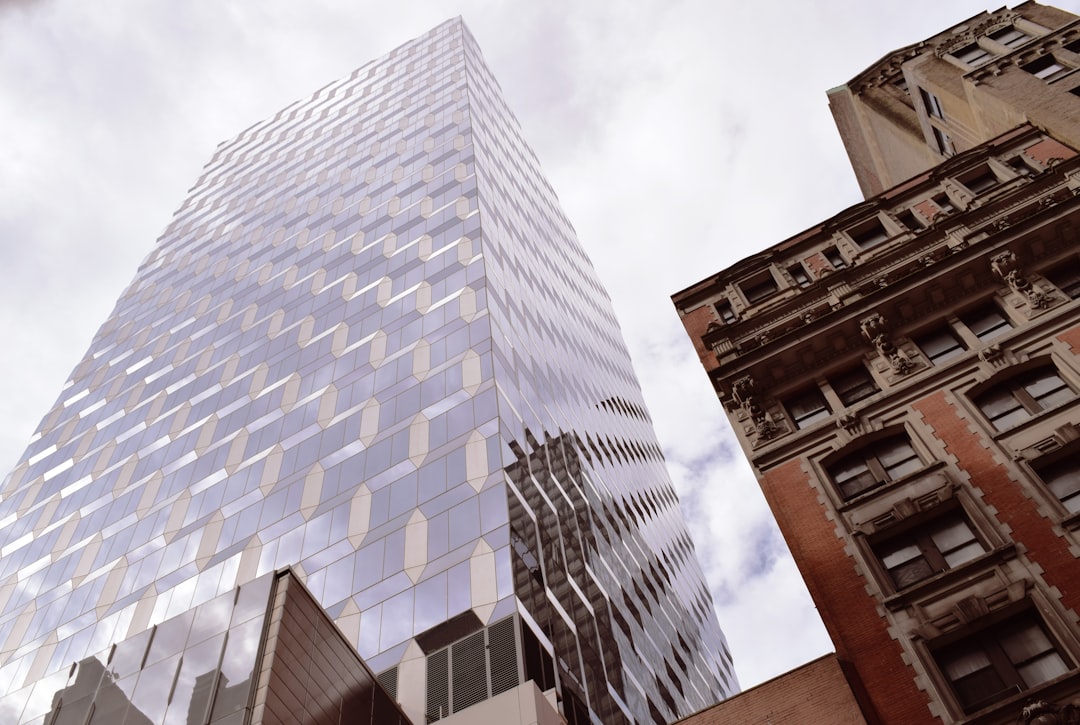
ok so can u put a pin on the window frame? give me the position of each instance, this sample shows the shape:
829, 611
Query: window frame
869, 235
759, 288
841, 392
918, 532
1066, 277
833, 256
946, 354
943, 141
820, 411
1047, 68
976, 56
799, 274
877, 474
1017, 385
1067, 458
1018, 37
932, 104
989, 637
981, 313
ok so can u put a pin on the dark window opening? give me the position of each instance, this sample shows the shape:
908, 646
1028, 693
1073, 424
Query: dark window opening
940, 345
807, 407
1010, 36
986, 322
853, 385
727, 314
909, 220
759, 289
832, 254
944, 203
1066, 278
869, 235
944, 142
1047, 68
1062, 477
799, 274
973, 55
981, 182
933, 105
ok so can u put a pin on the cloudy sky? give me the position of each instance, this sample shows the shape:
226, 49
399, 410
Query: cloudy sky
681, 136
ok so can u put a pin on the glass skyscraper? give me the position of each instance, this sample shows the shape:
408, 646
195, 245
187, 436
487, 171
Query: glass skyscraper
368, 347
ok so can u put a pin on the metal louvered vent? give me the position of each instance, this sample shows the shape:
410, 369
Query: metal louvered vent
473, 669
388, 679
502, 656
468, 671
438, 685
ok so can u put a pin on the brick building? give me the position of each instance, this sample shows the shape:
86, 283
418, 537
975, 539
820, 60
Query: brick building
904, 378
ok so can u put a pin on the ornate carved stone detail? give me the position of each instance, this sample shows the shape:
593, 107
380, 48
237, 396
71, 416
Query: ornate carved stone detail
850, 422
748, 397
1008, 269
992, 354
875, 329
1041, 712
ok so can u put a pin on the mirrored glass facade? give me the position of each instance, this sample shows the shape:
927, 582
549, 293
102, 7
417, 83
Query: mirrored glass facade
369, 347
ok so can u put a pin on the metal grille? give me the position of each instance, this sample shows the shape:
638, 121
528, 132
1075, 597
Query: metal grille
468, 670
502, 656
438, 685
388, 680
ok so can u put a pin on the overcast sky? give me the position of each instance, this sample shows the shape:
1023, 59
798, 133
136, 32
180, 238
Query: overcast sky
680, 137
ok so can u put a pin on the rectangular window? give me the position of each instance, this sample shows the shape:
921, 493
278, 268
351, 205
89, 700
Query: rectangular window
980, 182
799, 274
807, 407
986, 322
943, 142
1047, 68
1000, 661
832, 254
1062, 477
973, 55
758, 289
1010, 36
933, 105
1024, 396
909, 220
944, 203
1066, 278
723, 309
886, 460
853, 385
940, 345
944, 543
869, 235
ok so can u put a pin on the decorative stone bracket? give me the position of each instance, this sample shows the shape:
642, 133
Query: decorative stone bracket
876, 331
1041, 712
1008, 269
748, 397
